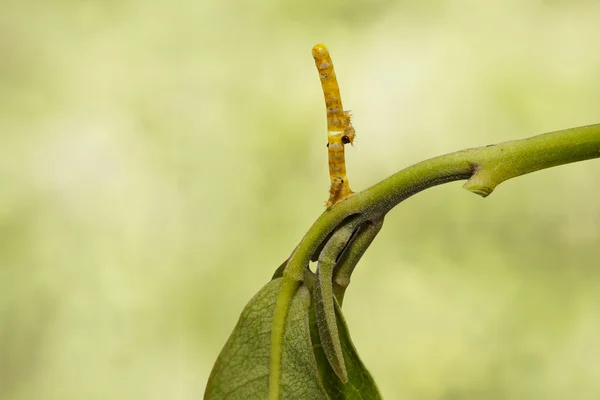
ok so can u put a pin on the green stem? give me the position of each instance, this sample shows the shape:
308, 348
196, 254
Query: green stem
484, 167
288, 288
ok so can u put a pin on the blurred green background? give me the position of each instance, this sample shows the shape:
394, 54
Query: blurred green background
158, 160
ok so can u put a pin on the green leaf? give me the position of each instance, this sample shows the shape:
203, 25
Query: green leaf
360, 382
326, 320
242, 369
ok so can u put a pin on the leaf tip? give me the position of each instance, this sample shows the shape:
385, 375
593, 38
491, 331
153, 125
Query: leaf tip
483, 191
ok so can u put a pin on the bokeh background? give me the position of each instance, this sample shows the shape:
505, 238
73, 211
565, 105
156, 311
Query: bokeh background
159, 159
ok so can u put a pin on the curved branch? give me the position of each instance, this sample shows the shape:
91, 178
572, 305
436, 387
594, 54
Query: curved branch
484, 167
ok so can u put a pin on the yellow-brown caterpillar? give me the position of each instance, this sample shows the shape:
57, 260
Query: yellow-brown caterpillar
339, 127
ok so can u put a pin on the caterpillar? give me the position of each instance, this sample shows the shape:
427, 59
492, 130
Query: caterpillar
339, 128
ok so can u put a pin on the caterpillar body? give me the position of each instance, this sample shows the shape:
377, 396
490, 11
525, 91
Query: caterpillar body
339, 128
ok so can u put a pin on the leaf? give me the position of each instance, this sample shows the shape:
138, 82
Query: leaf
242, 368
326, 320
360, 382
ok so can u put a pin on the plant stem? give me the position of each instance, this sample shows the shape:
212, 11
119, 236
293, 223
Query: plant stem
484, 167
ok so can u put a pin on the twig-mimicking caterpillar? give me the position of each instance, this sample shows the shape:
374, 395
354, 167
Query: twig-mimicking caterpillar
339, 127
